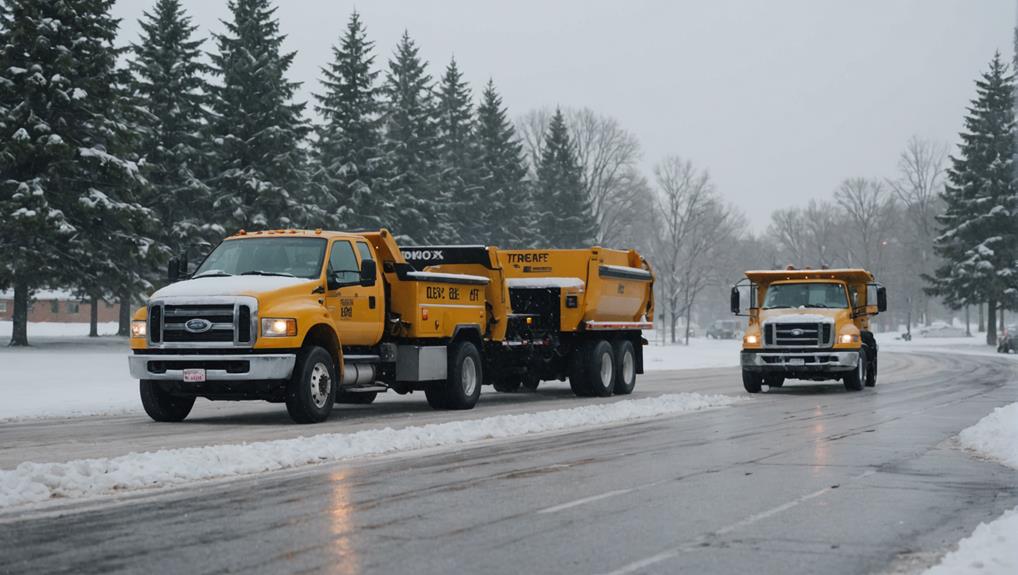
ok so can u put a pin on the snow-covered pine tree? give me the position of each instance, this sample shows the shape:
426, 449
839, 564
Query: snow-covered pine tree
979, 227
70, 215
411, 187
169, 94
566, 217
259, 159
458, 159
346, 161
504, 212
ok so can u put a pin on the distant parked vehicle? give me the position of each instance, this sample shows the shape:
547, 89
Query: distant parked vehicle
725, 329
1008, 340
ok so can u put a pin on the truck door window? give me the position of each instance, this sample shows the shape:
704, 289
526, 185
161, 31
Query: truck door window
342, 263
365, 251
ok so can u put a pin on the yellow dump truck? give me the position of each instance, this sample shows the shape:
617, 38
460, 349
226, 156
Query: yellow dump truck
576, 314
809, 324
310, 317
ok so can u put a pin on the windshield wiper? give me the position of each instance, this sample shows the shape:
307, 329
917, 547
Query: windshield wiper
778, 307
212, 274
265, 273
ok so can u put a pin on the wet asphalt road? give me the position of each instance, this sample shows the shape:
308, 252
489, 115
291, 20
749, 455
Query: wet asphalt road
806, 479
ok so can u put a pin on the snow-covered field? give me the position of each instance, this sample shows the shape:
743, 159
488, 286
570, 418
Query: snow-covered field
34, 482
992, 549
66, 374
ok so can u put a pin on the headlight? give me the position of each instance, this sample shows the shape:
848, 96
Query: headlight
751, 339
139, 328
849, 338
279, 327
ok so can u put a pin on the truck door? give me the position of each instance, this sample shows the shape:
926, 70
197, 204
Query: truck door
372, 305
357, 311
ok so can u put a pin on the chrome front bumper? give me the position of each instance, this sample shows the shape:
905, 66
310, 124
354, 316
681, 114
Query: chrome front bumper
819, 361
241, 367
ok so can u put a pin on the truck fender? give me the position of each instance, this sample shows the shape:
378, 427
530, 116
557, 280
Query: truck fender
470, 332
324, 336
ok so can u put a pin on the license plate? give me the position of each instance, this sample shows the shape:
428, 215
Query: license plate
796, 361
194, 375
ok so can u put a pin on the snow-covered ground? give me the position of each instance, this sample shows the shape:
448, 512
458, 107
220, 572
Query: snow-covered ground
66, 374
34, 482
992, 549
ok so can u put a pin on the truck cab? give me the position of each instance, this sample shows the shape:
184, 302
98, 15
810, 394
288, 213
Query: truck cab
308, 318
810, 325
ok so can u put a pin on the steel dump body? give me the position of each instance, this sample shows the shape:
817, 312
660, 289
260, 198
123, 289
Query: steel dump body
610, 286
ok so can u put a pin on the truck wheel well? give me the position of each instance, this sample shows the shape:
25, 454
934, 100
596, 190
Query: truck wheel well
468, 332
323, 336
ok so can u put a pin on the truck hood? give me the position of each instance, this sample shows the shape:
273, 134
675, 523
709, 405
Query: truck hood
232, 285
785, 315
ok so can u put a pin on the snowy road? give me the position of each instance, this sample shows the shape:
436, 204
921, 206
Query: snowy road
806, 479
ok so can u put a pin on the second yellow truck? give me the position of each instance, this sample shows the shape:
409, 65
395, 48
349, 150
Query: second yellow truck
809, 324
309, 318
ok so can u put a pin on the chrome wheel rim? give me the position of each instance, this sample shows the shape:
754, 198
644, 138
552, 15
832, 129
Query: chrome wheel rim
468, 377
606, 369
628, 368
320, 384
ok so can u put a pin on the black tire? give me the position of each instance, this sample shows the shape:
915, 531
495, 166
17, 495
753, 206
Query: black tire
360, 398
578, 373
625, 367
753, 382
599, 363
774, 380
311, 390
162, 406
855, 379
462, 388
507, 383
871, 372
530, 382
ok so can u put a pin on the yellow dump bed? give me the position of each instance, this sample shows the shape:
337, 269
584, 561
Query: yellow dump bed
599, 289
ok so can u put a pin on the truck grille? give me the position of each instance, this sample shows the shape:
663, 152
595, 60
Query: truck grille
797, 334
223, 323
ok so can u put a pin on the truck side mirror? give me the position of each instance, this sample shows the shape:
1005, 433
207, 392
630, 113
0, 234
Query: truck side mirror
736, 307
881, 299
173, 270
369, 271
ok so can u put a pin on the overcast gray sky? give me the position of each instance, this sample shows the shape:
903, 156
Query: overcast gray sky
781, 100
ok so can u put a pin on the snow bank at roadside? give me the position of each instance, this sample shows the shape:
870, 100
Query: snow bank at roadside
33, 482
992, 549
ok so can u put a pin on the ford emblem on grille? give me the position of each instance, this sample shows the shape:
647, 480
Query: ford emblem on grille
198, 325
795, 332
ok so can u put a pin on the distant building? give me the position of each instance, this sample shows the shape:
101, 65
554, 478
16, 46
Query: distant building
58, 306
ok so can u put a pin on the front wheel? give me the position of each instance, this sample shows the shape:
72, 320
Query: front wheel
311, 390
855, 379
753, 382
162, 406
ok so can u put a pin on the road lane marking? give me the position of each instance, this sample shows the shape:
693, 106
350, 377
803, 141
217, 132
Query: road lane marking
592, 498
757, 517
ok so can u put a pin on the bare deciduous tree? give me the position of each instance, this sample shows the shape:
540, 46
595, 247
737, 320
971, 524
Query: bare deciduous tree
870, 212
918, 186
694, 228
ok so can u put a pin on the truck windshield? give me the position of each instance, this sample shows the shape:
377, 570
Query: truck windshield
794, 295
291, 257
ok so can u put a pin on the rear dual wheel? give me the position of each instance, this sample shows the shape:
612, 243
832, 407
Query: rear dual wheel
462, 387
599, 368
